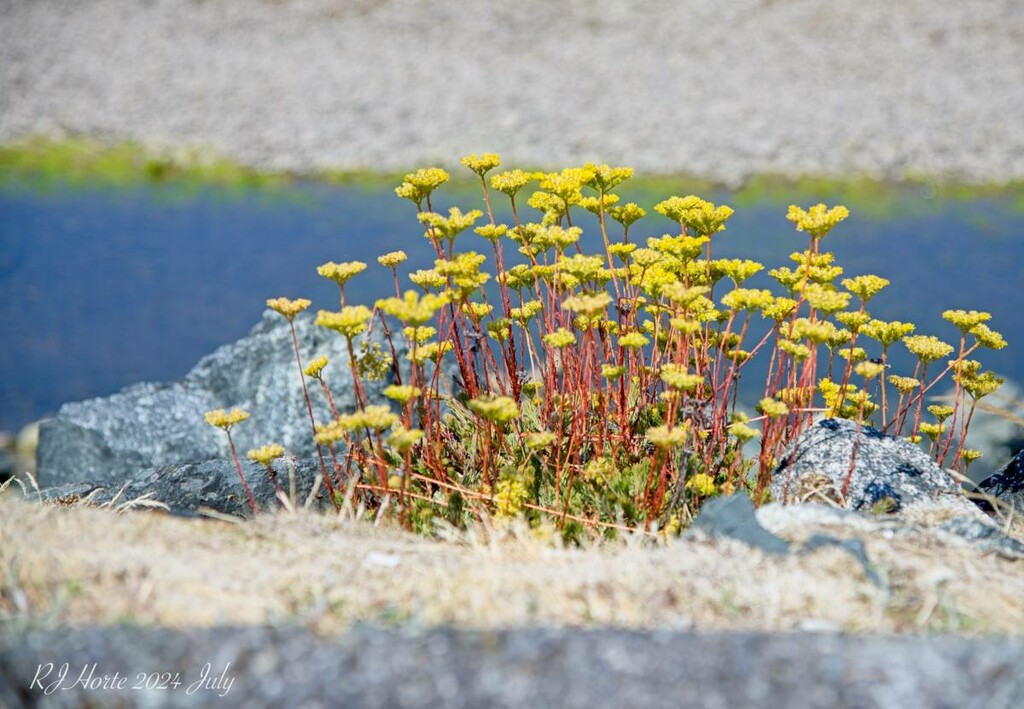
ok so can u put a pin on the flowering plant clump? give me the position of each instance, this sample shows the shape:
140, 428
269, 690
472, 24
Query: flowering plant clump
590, 380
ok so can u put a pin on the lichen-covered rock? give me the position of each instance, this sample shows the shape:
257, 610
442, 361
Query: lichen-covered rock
108, 440
864, 470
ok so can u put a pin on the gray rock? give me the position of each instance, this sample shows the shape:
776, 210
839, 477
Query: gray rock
563, 667
1007, 484
890, 476
733, 517
887, 471
108, 440
187, 487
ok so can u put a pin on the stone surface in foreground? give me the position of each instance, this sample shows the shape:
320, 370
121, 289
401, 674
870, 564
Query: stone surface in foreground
370, 667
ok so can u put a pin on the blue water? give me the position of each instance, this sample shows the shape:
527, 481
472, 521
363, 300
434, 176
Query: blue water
102, 288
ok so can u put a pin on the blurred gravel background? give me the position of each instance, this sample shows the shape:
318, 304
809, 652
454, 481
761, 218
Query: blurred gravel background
719, 90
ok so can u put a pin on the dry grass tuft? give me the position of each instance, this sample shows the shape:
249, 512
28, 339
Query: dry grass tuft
79, 565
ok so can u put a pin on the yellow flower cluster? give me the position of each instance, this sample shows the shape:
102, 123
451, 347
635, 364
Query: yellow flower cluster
928, 348
266, 454
498, 409
904, 385
492, 232
288, 308
392, 259
411, 308
432, 351
451, 226
870, 370
865, 287
965, 320
402, 393
340, 273
481, 164
633, 340
374, 418
676, 377
402, 439
509, 497
418, 185
512, 181
772, 408
627, 214
665, 437
825, 299
539, 439
225, 419
988, 338
594, 204
349, 321
698, 216
888, 333
315, 367
747, 299
980, 385
419, 333
818, 220
560, 338
605, 178
588, 305
526, 312
702, 485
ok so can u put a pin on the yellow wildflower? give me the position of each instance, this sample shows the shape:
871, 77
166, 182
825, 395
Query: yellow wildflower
266, 454
818, 220
481, 164
349, 321
288, 308
226, 419
392, 259
340, 273
315, 367
498, 409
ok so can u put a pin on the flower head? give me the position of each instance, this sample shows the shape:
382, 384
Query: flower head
511, 181
928, 348
392, 259
481, 164
225, 419
349, 321
340, 273
818, 220
498, 409
266, 454
699, 216
315, 367
420, 184
288, 308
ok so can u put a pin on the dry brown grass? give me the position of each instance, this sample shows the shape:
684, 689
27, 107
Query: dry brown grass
81, 565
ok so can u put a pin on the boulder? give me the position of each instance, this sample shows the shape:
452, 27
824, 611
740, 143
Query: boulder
107, 441
186, 488
1008, 484
885, 473
888, 477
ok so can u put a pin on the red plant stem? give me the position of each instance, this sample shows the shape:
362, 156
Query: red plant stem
330, 399
241, 475
312, 421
